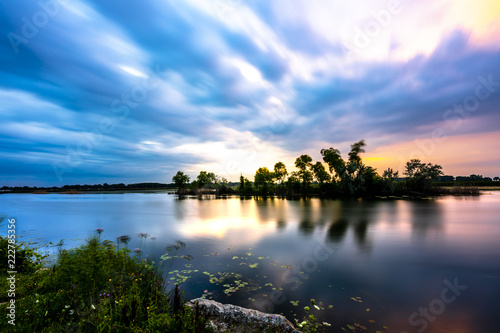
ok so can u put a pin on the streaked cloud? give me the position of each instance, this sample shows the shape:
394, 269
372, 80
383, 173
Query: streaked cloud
97, 91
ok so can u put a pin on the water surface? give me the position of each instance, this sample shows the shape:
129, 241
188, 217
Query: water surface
369, 263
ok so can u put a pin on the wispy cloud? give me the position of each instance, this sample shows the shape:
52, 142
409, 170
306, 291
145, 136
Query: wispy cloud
107, 91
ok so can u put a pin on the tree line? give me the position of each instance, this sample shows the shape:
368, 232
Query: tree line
334, 176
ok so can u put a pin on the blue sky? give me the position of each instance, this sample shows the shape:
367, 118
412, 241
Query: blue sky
113, 91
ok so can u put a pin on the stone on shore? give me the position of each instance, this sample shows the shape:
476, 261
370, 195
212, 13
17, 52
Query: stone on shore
236, 319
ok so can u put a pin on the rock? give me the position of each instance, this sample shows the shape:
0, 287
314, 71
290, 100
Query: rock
235, 319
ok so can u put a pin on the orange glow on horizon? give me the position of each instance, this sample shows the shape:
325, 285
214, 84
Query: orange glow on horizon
460, 155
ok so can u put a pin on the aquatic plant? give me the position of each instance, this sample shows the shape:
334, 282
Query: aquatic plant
310, 323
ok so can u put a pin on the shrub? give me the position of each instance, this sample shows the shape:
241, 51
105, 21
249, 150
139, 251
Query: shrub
96, 288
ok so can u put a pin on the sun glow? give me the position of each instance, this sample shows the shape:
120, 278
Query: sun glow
482, 18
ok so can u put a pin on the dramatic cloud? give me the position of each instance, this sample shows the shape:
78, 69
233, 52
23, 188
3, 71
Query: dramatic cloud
102, 91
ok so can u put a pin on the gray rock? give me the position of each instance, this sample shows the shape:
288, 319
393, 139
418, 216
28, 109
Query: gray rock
235, 319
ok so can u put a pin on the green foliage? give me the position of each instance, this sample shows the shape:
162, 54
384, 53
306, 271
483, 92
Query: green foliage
242, 184
180, 179
96, 288
205, 178
263, 177
27, 259
248, 186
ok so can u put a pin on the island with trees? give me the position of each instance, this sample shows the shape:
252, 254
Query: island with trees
337, 177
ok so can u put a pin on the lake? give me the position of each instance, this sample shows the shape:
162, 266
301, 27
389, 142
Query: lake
428, 265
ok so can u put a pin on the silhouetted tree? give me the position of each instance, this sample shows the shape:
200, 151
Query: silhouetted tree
320, 173
334, 160
352, 174
356, 149
304, 164
390, 174
280, 172
293, 183
420, 175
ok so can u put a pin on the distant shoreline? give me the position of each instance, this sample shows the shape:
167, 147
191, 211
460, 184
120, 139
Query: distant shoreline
441, 188
481, 191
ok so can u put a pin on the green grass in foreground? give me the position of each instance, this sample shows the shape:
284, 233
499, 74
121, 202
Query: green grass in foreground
92, 288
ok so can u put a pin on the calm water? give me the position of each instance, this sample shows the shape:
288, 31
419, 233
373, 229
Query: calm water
414, 266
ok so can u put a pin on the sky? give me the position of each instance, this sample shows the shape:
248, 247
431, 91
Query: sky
113, 91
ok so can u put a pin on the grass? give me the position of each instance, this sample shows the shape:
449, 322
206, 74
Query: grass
459, 190
93, 288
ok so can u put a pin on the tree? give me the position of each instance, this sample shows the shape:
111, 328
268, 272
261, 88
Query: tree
280, 172
354, 164
334, 160
415, 168
306, 177
248, 186
180, 179
421, 175
390, 174
496, 179
205, 178
242, 184
293, 183
221, 181
245, 186
304, 163
367, 181
350, 173
320, 173
262, 179
356, 149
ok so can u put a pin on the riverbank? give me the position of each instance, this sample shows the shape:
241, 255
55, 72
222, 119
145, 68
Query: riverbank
101, 288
